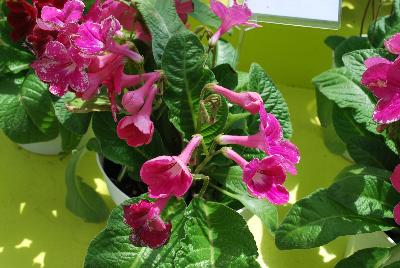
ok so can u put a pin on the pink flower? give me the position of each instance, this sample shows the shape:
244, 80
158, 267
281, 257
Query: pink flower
148, 229
250, 101
134, 100
53, 18
395, 179
383, 80
183, 9
393, 44
269, 139
62, 68
230, 17
138, 129
119, 10
169, 175
94, 38
263, 178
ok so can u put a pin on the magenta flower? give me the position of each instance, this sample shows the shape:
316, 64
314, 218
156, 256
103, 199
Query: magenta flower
183, 9
263, 178
395, 179
250, 101
94, 38
138, 129
382, 79
134, 100
62, 68
148, 229
269, 139
169, 175
53, 18
393, 44
121, 11
230, 17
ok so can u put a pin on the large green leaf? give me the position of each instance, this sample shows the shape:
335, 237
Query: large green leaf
16, 123
260, 82
226, 53
366, 258
203, 14
69, 140
113, 248
183, 64
333, 41
318, 219
215, 236
37, 102
163, 22
116, 150
366, 191
81, 199
350, 44
339, 86
354, 61
226, 76
385, 26
231, 179
77, 123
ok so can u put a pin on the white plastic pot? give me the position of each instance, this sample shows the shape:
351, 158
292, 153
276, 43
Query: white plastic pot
52, 147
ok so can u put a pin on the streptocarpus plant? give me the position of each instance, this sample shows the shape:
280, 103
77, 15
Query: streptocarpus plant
174, 105
364, 197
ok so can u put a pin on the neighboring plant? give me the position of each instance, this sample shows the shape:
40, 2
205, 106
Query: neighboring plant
364, 197
152, 87
28, 112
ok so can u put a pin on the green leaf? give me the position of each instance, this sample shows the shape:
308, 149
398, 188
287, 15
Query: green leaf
354, 61
204, 15
231, 179
339, 86
116, 150
77, 123
81, 199
366, 258
14, 120
243, 81
226, 76
393, 265
226, 54
372, 151
318, 219
37, 102
216, 236
366, 191
350, 44
70, 140
113, 248
163, 22
260, 82
334, 40
183, 64
385, 26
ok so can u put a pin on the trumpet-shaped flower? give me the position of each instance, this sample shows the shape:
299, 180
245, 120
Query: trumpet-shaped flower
148, 229
183, 8
169, 175
393, 44
230, 17
134, 100
94, 38
395, 179
250, 101
53, 18
383, 80
62, 68
269, 139
138, 129
263, 178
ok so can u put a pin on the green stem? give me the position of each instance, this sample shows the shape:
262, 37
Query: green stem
208, 158
122, 173
233, 118
203, 189
234, 196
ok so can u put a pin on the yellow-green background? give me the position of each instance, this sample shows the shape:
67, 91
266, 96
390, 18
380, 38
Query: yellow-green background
36, 230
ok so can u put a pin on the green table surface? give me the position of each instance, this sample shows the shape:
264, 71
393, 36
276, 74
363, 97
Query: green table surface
36, 230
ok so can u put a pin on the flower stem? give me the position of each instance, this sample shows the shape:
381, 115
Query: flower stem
234, 196
203, 189
208, 158
122, 173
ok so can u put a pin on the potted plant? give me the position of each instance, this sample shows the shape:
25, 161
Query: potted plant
181, 137
364, 197
30, 115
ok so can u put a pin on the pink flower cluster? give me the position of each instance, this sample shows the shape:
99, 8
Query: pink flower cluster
264, 178
383, 80
395, 178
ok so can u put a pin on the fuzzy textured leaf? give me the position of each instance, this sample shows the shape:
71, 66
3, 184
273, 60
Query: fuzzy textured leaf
366, 258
